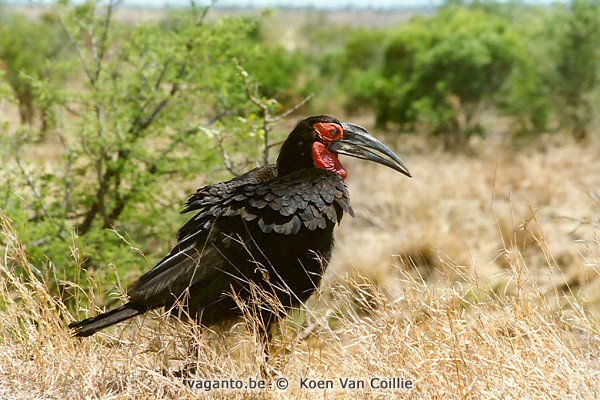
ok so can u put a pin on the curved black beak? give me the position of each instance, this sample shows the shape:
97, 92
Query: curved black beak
356, 142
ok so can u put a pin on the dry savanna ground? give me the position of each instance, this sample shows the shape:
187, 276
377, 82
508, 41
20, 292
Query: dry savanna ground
478, 278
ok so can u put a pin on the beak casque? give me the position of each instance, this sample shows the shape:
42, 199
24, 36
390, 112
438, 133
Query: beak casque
356, 142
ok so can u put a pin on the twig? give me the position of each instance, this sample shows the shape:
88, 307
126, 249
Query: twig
73, 44
267, 119
99, 48
139, 124
200, 19
275, 144
38, 195
293, 109
68, 166
266, 125
226, 159
30, 182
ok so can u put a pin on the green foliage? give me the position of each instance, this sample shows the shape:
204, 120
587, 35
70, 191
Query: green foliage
28, 50
282, 75
526, 97
578, 65
363, 50
137, 118
443, 71
557, 76
360, 68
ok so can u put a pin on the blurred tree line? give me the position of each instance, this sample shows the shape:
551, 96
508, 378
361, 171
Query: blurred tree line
130, 114
538, 65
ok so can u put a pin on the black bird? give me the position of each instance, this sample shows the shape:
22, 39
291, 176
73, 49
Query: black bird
270, 229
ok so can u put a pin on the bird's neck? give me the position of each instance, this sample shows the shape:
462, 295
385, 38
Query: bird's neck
297, 155
294, 156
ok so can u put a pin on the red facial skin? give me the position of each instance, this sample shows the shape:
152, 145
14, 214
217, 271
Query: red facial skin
323, 158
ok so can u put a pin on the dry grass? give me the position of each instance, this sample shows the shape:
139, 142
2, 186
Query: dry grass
478, 278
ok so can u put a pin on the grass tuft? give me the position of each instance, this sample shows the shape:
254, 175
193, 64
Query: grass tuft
479, 278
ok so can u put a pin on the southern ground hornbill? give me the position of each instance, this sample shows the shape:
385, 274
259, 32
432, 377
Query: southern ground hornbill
270, 229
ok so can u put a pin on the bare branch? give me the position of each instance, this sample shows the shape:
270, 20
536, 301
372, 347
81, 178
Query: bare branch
267, 120
161, 75
38, 195
75, 47
101, 47
200, 19
229, 166
30, 181
244, 74
275, 144
293, 109
264, 112
68, 169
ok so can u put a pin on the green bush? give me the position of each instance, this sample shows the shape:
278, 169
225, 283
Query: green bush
282, 75
526, 97
441, 72
29, 52
577, 63
361, 65
140, 115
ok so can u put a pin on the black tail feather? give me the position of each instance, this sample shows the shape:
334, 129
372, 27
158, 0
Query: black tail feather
92, 325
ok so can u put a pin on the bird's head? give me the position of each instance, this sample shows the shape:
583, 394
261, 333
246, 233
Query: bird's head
317, 141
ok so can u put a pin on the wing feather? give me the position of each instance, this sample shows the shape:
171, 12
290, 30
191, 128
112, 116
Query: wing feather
311, 198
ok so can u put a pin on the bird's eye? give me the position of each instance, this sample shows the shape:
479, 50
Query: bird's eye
328, 131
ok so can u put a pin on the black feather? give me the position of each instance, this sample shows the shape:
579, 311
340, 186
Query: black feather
271, 227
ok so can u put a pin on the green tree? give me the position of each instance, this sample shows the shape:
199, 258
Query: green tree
527, 94
145, 111
443, 71
28, 50
360, 68
578, 66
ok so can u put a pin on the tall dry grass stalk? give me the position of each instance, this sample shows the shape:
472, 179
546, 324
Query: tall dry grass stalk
452, 340
477, 279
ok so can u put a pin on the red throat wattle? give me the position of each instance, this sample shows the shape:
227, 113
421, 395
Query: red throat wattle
325, 159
